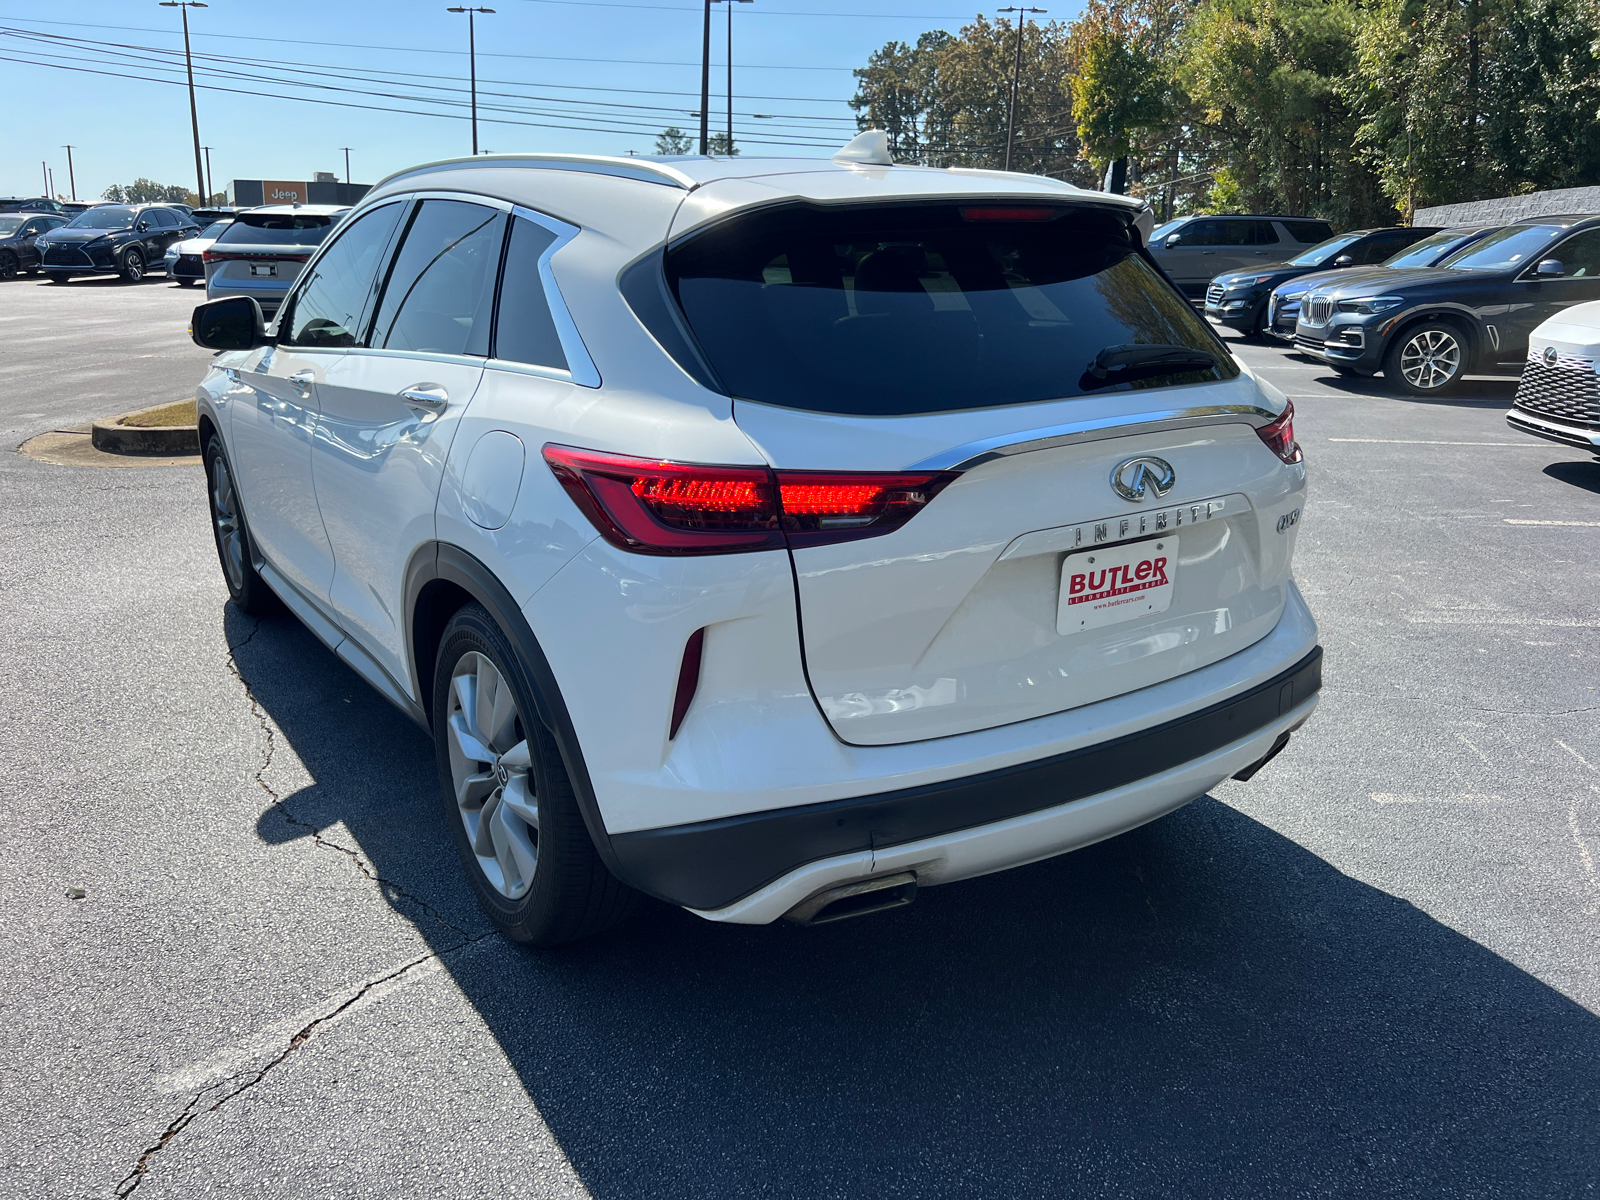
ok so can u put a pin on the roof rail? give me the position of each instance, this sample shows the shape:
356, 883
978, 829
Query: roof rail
640, 169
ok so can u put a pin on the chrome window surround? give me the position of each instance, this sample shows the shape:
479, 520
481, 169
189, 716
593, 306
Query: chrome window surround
581, 369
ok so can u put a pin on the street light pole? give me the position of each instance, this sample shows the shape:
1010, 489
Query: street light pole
72, 180
705, 85
346, 150
730, 4
1016, 77
184, 6
206, 199
472, 66
44, 171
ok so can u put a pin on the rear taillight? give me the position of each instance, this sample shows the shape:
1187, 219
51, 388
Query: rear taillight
225, 255
654, 507
1279, 436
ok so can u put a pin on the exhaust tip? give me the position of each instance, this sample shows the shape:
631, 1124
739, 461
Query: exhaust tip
855, 899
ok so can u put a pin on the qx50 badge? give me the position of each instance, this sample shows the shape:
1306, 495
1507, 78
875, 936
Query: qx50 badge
1133, 477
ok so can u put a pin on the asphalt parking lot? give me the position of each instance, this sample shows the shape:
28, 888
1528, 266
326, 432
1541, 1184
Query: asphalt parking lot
1370, 971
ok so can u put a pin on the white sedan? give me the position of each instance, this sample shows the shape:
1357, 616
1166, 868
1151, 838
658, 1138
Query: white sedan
184, 259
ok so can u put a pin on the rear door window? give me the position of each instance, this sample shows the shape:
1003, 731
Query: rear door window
1309, 232
440, 291
1263, 234
899, 309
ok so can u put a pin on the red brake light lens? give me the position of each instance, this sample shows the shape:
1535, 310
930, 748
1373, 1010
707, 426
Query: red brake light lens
1279, 436
654, 507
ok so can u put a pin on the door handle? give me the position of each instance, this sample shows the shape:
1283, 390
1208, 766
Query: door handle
302, 381
431, 397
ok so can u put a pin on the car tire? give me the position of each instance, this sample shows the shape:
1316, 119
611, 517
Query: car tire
184, 281
8, 265
514, 815
1427, 359
132, 269
58, 276
248, 591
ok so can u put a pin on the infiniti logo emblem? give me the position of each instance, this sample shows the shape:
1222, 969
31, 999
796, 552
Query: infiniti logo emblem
1133, 477
1550, 356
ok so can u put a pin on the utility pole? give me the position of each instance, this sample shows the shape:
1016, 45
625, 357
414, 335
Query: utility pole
730, 4
184, 6
44, 171
206, 199
346, 150
72, 180
705, 85
472, 66
1016, 76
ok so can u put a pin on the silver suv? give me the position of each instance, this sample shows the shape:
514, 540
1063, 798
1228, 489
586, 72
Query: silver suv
1195, 250
261, 253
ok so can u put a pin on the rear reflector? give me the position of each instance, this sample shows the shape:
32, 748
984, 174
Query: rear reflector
654, 507
1279, 436
225, 255
688, 680
1010, 213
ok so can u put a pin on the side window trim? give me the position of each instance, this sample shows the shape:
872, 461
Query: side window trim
581, 369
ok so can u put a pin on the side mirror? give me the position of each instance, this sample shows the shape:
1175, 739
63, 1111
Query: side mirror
1344, 260
1175, 240
1552, 268
232, 323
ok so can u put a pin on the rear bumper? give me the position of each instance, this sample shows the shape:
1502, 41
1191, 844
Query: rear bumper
754, 867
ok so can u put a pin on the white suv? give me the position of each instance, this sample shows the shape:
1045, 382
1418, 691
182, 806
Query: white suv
771, 537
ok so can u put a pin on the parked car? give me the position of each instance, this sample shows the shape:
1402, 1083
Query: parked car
113, 239
18, 237
216, 213
1283, 305
262, 252
1425, 328
1194, 250
185, 260
1558, 397
1239, 299
16, 204
574, 459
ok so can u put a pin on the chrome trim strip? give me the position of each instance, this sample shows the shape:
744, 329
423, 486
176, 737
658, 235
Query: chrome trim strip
426, 356
590, 164
521, 368
1526, 422
580, 366
963, 458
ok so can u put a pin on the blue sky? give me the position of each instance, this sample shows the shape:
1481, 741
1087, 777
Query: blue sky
585, 76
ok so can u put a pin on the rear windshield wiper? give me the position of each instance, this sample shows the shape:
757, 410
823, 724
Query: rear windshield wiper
1118, 364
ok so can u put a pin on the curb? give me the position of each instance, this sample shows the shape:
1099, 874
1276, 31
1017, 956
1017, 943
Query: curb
113, 437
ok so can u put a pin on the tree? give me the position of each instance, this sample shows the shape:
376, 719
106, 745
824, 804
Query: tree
945, 101
1121, 82
673, 141
721, 146
148, 191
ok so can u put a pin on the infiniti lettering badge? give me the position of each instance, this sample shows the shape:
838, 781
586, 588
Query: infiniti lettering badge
1133, 477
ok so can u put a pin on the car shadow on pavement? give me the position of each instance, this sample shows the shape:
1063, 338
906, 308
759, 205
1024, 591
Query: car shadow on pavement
1200, 1007
1584, 475
1469, 393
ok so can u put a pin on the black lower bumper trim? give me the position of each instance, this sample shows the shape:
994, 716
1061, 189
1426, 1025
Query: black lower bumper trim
711, 864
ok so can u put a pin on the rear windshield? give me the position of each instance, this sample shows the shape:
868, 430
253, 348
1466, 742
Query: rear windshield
900, 309
103, 218
278, 229
1513, 246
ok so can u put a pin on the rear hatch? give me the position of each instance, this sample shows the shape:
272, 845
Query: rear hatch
263, 253
962, 341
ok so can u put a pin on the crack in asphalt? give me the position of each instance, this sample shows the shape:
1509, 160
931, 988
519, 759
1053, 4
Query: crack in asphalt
392, 888
193, 1110
244, 1081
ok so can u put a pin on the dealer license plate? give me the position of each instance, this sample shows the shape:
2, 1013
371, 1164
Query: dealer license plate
1105, 587
268, 269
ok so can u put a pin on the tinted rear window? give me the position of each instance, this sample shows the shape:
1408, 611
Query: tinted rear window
914, 308
274, 229
1309, 231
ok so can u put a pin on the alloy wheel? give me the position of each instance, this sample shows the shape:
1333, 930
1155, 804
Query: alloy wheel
133, 266
1430, 359
490, 766
8, 265
225, 516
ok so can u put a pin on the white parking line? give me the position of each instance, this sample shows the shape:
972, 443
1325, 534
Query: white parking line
1586, 524
1452, 798
1399, 442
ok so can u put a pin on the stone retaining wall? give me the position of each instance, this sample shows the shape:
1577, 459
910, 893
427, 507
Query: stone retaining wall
1512, 208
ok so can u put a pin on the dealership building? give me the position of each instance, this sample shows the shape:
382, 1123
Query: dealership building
325, 188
